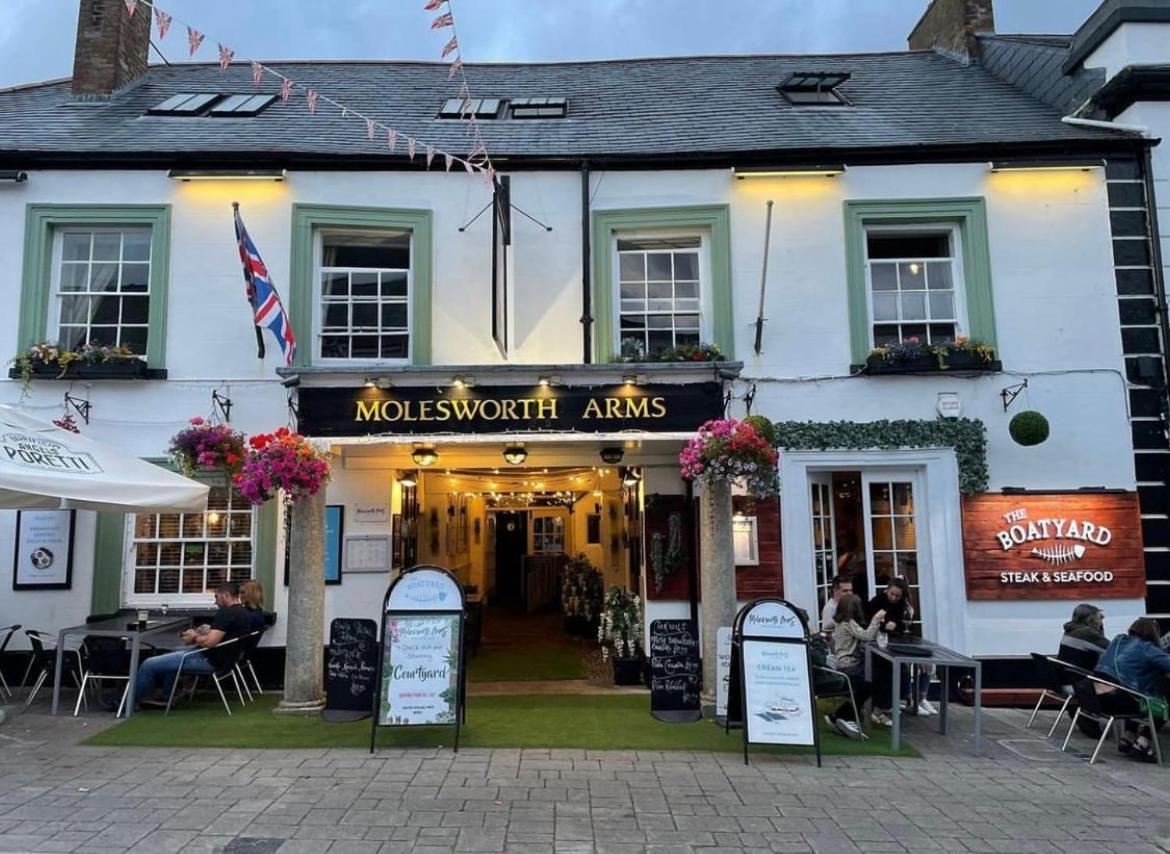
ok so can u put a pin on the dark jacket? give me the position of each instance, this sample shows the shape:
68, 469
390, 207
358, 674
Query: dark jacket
1081, 645
895, 612
1135, 663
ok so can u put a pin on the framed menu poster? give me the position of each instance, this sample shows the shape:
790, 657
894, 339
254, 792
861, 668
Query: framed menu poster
44, 550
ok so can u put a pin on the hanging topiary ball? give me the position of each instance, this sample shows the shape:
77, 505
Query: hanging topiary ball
1028, 428
763, 426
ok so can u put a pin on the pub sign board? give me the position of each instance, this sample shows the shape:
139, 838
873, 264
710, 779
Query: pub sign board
411, 410
1054, 546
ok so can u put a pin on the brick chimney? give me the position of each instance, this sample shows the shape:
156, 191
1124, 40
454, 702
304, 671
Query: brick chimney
112, 47
951, 26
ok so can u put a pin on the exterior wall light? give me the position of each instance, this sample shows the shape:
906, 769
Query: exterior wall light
187, 175
408, 478
424, 455
821, 170
463, 382
515, 454
1044, 165
630, 379
546, 381
612, 456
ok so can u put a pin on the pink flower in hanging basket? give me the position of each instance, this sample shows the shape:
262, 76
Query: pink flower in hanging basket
732, 451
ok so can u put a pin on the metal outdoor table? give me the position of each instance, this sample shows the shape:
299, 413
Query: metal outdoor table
939, 657
116, 628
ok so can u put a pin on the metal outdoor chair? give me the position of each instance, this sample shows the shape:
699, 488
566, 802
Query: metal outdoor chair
1057, 678
225, 671
1088, 705
6, 691
249, 642
44, 655
105, 660
841, 694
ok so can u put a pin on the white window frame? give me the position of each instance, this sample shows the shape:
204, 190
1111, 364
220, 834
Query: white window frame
750, 525
543, 537
957, 272
129, 569
53, 323
706, 327
318, 318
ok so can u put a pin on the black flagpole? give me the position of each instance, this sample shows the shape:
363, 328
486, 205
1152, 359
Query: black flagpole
251, 289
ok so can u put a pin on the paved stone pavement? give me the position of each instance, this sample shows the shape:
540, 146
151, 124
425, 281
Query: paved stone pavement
1021, 795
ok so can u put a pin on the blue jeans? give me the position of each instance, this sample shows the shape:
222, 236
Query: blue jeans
167, 666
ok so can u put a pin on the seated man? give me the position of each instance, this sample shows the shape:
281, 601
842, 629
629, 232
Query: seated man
1084, 637
231, 621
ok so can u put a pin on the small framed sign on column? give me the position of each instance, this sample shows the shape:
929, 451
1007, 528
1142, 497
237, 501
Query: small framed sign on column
44, 550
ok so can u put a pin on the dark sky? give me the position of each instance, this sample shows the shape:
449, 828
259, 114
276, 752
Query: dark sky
36, 36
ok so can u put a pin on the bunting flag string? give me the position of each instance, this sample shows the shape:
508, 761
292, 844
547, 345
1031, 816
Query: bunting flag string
195, 39
131, 7
163, 21
444, 20
451, 49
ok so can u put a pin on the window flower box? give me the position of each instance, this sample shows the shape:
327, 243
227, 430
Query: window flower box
912, 357
122, 369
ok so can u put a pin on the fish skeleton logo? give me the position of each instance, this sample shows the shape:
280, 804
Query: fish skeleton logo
1059, 553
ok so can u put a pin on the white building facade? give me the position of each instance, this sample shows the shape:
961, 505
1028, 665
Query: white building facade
935, 229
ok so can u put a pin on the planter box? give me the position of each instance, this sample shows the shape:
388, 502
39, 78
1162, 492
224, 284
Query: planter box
627, 671
121, 369
956, 362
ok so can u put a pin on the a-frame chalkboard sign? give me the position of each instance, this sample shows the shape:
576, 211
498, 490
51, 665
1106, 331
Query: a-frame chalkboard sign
420, 659
771, 691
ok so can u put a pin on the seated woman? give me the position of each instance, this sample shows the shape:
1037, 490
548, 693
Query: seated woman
252, 598
1137, 661
848, 640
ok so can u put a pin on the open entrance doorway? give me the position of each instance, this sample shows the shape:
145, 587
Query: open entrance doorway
512, 536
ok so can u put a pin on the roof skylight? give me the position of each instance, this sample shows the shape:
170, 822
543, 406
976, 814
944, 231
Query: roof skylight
241, 105
815, 88
185, 104
539, 108
481, 108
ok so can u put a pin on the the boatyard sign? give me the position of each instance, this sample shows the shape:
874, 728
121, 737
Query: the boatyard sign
1054, 546
503, 409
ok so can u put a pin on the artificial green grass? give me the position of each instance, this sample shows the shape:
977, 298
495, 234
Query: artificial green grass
542, 663
583, 721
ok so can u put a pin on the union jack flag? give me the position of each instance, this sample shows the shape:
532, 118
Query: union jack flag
262, 295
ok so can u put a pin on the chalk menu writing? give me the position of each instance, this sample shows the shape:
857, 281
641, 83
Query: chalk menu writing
352, 665
674, 670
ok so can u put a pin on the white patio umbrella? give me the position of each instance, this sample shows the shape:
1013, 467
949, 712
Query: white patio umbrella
43, 467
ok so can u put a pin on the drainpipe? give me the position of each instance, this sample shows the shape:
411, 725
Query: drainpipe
1102, 125
586, 285
693, 566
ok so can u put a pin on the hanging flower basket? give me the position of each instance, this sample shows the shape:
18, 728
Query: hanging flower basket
732, 451
283, 461
203, 446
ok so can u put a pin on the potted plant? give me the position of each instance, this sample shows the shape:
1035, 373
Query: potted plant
912, 356
620, 635
634, 350
282, 461
50, 361
582, 591
204, 446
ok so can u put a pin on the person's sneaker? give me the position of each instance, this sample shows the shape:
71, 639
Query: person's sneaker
849, 729
926, 709
152, 704
881, 718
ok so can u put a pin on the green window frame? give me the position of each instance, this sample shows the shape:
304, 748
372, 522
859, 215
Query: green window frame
111, 552
715, 220
307, 219
969, 215
41, 225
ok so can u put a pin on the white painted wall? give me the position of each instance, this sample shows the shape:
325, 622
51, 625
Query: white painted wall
1131, 44
1055, 312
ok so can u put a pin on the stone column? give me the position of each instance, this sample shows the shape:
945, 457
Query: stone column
305, 626
717, 579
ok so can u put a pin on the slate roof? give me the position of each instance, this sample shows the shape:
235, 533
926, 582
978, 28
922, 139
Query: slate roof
1035, 65
626, 108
